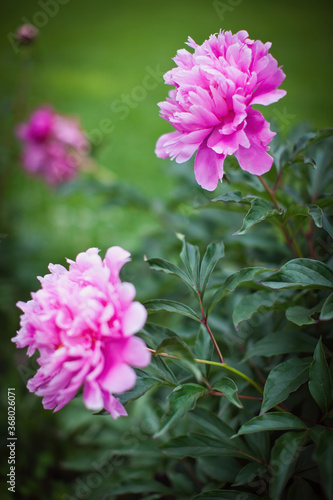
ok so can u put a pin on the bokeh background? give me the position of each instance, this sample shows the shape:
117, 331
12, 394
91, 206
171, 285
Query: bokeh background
103, 62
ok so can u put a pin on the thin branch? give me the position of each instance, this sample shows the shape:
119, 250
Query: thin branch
287, 233
241, 396
204, 322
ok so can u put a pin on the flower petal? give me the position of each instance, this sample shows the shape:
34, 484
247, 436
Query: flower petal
136, 353
115, 258
134, 319
208, 167
254, 159
92, 396
118, 379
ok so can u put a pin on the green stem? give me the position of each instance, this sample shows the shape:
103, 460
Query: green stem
215, 363
233, 370
221, 365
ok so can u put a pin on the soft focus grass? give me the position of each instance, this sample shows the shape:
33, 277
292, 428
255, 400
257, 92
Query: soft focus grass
88, 55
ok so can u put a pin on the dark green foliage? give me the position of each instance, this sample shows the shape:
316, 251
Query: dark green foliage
257, 277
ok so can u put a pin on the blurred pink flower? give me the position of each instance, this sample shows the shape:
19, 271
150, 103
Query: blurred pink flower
211, 106
82, 321
26, 34
54, 146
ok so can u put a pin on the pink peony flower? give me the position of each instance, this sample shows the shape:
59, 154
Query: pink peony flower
82, 321
26, 34
54, 147
211, 106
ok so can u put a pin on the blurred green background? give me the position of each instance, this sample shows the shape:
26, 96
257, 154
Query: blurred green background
90, 58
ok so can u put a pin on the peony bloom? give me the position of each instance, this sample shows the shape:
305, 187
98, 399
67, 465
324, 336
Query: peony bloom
54, 146
211, 106
82, 321
26, 34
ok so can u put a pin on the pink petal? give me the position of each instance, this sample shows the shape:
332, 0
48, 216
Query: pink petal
118, 379
180, 146
254, 159
115, 258
227, 144
134, 319
126, 293
113, 405
136, 353
269, 97
208, 167
92, 396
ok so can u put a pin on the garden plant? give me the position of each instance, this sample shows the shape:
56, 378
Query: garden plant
222, 366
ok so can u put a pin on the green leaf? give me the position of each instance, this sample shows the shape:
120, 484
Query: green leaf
258, 302
327, 225
199, 445
171, 306
143, 384
217, 429
305, 210
213, 425
259, 444
272, 421
301, 273
160, 369
231, 196
260, 210
214, 252
327, 310
175, 346
324, 458
204, 348
284, 379
153, 334
320, 384
311, 138
182, 483
190, 256
167, 267
182, 399
248, 473
229, 389
283, 459
326, 202
226, 495
219, 468
300, 315
232, 282
282, 342
317, 215
301, 489
137, 485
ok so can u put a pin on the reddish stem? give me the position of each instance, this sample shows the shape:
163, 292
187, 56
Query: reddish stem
288, 237
204, 322
241, 396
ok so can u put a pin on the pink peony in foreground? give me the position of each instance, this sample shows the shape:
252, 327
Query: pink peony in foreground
54, 146
82, 321
211, 106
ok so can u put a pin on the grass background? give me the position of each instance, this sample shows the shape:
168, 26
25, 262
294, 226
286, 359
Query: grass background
87, 57
90, 55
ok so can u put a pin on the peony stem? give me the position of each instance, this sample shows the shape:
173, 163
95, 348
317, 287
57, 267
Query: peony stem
204, 322
214, 363
226, 367
233, 370
287, 233
270, 192
240, 396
